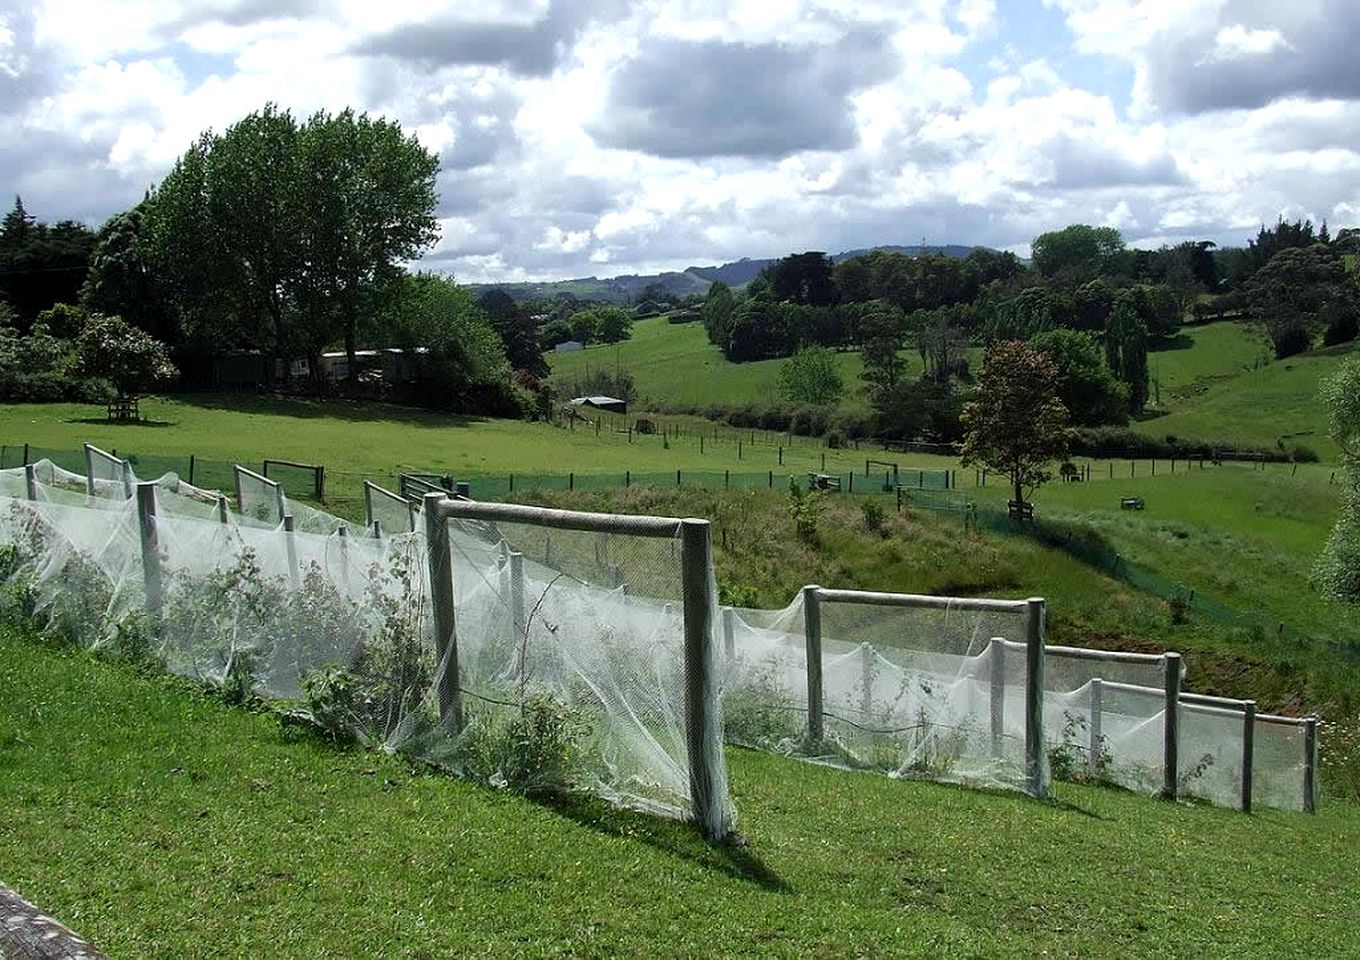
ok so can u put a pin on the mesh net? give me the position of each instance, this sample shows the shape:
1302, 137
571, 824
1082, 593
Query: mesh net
392, 512
921, 691
590, 621
572, 645
258, 499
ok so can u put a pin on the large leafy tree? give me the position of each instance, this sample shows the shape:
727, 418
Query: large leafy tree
719, 305
1016, 424
41, 264
1299, 292
1126, 348
1078, 253
281, 236
120, 280
518, 331
810, 376
132, 360
1338, 569
1083, 380
804, 278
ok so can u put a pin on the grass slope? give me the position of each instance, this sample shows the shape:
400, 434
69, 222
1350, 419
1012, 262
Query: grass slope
674, 363
163, 824
1205, 396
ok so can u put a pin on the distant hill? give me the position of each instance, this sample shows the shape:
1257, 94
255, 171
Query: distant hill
627, 288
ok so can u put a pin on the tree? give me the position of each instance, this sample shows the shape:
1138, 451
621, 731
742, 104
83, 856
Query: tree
1016, 424
1338, 568
1078, 253
518, 331
615, 324
463, 366
810, 376
1299, 292
941, 341
1126, 339
41, 264
804, 278
278, 236
883, 335
1085, 385
132, 360
717, 314
120, 280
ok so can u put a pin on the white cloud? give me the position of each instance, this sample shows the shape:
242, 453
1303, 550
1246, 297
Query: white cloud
794, 124
1237, 42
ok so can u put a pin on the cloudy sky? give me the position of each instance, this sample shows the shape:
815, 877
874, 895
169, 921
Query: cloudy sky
582, 137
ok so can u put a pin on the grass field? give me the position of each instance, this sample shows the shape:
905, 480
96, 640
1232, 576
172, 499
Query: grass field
1276, 402
161, 823
673, 363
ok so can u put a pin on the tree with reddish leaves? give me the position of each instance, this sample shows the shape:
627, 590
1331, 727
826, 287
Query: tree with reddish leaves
1015, 424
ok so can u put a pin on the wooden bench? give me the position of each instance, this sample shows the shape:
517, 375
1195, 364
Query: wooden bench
822, 481
1131, 503
1020, 509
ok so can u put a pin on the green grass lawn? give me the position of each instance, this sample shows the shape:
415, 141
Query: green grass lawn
161, 823
673, 363
1201, 354
1261, 406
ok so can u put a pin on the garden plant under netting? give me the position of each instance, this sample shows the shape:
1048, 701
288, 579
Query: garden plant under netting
571, 652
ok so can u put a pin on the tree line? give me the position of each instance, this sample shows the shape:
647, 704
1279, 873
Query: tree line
1086, 300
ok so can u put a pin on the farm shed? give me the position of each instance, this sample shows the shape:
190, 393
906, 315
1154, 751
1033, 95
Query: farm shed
612, 404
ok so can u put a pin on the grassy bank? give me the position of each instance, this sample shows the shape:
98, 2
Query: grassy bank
164, 824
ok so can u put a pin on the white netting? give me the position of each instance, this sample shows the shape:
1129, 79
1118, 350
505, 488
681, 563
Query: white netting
573, 672
921, 691
258, 499
593, 621
108, 476
392, 512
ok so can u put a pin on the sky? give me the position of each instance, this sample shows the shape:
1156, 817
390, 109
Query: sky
604, 137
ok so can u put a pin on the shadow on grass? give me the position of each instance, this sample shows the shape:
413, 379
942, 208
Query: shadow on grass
106, 422
325, 408
1180, 341
669, 836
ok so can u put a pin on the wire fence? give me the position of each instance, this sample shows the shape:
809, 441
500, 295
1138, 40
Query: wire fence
934, 490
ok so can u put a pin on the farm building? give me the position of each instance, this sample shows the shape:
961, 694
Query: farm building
612, 404
395, 364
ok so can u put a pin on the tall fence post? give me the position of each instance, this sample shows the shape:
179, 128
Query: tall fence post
439, 563
1034, 696
1248, 751
703, 735
223, 511
377, 529
1171, 726
290, 543
866, 669
151, 552
192, 461
31, 481
812, 634
1310, 765
729, 629
1094, 750
517, 594
998, 694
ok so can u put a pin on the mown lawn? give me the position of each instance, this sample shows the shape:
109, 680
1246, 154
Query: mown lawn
162, 823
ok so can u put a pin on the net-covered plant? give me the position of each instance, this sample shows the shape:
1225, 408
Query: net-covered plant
394, 667
1072, 758
757, 712
539, 748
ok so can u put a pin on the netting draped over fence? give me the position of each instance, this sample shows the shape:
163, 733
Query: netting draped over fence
578, 666
910, 686
597, 640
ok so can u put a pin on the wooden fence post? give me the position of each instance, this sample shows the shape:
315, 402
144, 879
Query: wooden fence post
812, 636
1171, 726
517, 594
703, 733
1248, 751
729, 628
1096, 723
998, 692
223, 511
440, 566
1310, 765
290, 544
151, 553
30, 480
1034, 696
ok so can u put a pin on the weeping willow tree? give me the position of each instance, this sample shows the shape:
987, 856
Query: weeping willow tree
1338, 569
